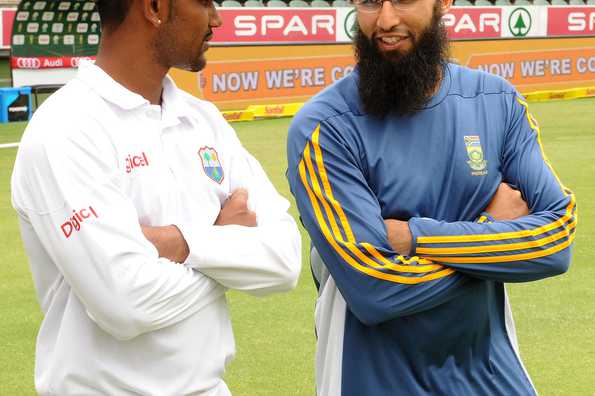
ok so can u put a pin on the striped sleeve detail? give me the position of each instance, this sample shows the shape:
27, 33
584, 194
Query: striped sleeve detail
519, 245
334, 225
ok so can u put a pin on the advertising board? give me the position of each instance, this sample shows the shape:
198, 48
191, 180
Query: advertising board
237, 77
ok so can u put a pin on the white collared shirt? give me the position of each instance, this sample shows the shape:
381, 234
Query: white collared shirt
95, 162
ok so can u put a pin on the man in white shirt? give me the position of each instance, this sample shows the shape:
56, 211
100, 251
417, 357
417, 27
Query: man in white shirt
120, 176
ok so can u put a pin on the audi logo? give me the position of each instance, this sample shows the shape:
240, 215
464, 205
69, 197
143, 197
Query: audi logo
28, 63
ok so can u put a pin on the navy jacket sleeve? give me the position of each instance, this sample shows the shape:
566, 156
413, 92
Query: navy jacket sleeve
343, 218
529, 248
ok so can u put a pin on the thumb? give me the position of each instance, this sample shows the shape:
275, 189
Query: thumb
239, 196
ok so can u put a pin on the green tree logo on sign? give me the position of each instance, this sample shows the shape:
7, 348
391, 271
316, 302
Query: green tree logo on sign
350, 24
519, 22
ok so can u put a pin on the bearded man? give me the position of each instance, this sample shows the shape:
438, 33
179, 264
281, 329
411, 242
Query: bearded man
139, 208
402, 173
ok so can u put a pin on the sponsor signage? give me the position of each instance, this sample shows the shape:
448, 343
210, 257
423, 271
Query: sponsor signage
47, 62
524, 22
338, 25
262, 26
75, 24
571, 21
6, 18
272, 78
539, 67
464, 23
45, 29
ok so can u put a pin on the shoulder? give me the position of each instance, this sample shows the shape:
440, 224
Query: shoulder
73, 113
473, 83
337, 99
334, 105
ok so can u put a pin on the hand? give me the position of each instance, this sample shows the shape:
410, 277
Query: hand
399, 236
235, 210
169, 242
507, 204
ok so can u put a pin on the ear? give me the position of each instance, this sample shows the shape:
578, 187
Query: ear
445, 6
153, 11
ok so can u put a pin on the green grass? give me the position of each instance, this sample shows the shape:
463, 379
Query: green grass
274, 335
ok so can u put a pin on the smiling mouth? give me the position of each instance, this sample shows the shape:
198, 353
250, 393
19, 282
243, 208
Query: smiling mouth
392, 40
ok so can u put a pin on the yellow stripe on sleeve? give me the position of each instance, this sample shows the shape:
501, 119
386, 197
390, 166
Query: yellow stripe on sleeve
513, 257
327, 186
501, 248
533, 124
343, 218
348, 259
503, 235
349, 245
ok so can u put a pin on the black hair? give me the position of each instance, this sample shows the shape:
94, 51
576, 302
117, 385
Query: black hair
112, 12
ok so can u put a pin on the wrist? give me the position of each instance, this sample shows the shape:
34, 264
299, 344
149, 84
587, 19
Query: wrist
180, 249
485, 217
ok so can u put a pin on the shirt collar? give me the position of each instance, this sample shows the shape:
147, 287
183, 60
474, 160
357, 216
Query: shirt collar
173, 104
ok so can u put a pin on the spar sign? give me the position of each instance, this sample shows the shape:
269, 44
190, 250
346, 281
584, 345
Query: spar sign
276, 26
571, 21
473, 23
245, 26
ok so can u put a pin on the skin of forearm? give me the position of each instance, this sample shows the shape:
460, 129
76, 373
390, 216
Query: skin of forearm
169, 242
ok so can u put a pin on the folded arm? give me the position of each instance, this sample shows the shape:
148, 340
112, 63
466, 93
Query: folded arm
345, 224
72, 208
254, 245
528, 248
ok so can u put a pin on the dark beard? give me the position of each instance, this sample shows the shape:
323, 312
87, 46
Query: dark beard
401, 83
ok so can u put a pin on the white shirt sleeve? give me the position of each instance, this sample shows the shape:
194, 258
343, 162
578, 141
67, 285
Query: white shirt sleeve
258, 260
66, 191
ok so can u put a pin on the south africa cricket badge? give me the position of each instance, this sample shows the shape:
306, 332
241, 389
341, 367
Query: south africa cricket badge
476, 161
210, 163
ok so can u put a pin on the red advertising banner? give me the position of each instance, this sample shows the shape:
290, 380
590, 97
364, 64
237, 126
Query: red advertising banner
473, 22
47, 62
262, 26
6, 18
571, 21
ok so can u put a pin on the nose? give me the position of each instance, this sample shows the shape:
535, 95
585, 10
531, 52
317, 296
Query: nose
214, 18
388, 16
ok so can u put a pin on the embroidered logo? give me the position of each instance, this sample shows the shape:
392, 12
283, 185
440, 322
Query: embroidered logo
476, 162
210, 163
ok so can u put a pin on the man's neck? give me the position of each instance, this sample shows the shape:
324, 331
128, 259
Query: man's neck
132, 66
435, 90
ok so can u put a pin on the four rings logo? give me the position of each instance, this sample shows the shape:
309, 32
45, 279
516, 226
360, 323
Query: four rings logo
28, 63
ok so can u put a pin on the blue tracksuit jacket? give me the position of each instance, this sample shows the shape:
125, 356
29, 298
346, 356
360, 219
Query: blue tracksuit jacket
436, 321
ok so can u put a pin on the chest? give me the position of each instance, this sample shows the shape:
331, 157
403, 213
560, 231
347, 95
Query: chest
446, 166
172, 174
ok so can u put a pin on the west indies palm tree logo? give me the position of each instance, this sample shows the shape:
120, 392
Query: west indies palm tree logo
210, 163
